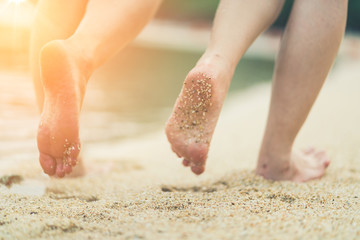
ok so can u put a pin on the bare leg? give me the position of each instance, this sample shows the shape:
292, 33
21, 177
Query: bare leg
308, 49
66, 66
192, 123
56, 19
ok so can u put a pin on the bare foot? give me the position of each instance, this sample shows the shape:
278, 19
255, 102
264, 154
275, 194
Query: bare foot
299, 166
194, 117
64, 79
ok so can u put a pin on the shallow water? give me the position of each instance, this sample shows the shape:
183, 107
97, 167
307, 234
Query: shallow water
131, 95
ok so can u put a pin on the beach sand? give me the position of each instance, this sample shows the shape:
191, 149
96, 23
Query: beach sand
138, 189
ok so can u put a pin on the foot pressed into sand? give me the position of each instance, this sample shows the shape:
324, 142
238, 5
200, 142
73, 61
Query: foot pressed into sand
298, 166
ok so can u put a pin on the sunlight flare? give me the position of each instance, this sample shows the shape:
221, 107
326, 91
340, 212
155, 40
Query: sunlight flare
17, 2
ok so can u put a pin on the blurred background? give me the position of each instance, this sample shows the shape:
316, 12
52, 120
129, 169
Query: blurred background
133, 93
16, 19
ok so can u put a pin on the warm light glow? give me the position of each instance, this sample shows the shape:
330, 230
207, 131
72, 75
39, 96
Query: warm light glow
16, 1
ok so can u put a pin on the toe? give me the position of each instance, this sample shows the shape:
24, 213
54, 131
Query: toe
309, 150
186, 163
48, 164
72, 161
198, 169
198, 154
326, 163
326, 160
323, 158
68, 163
75, 150
67, 169
60, 171
320, 154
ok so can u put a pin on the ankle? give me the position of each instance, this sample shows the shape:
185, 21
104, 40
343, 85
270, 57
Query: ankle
214, 58
81, 57
274, 171
272, 158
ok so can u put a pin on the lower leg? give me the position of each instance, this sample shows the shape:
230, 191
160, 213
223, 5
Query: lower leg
308, 49
56, 19
192, 123
66, 66
237, 24
108, 27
